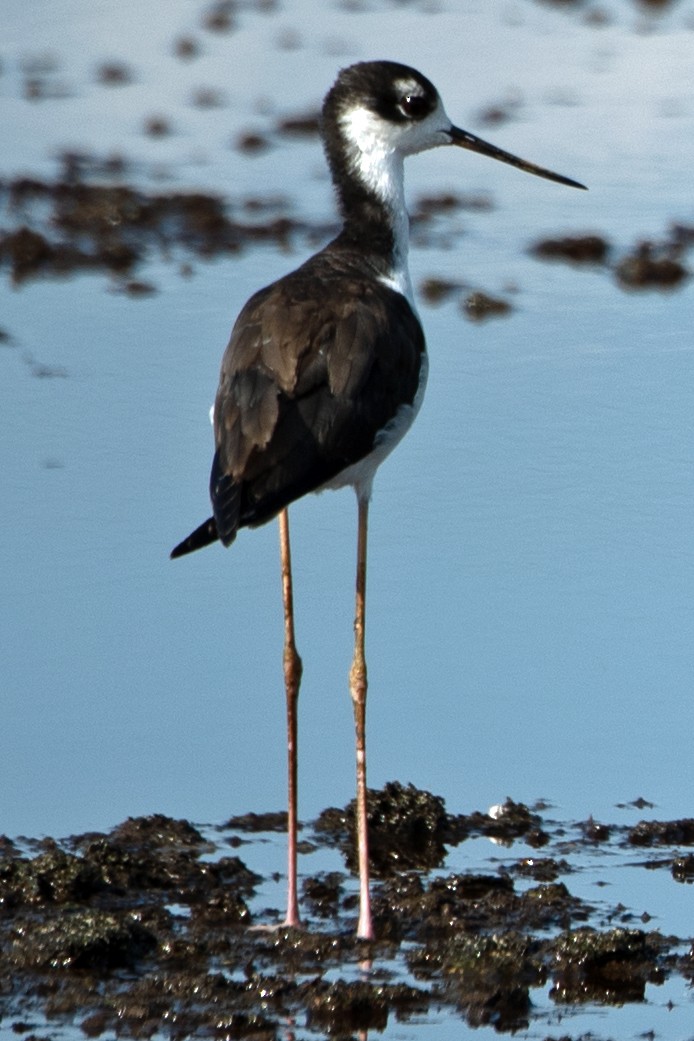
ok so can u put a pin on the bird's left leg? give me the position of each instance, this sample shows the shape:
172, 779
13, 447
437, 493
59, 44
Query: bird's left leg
358, 688
292, 681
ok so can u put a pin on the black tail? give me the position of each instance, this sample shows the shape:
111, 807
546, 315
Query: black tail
205, 535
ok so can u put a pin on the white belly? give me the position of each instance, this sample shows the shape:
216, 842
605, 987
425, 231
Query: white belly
361, 474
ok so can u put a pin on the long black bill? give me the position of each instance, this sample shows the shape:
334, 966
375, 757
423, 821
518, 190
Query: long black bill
476, 144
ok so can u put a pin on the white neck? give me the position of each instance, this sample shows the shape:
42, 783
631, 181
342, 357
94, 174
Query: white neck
379, 167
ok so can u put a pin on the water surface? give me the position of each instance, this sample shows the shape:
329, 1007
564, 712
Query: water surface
530, 585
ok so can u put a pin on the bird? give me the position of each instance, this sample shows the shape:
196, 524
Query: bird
326, 368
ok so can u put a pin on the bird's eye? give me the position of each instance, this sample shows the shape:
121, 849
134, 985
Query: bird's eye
414, 106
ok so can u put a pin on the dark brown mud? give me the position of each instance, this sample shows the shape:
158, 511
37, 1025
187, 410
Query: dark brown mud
153, 927
479, 306
82, 221
647, 265
92, 218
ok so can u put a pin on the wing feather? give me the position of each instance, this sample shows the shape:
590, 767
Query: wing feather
317, 364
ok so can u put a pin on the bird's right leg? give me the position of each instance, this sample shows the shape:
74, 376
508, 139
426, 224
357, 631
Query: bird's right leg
292, 681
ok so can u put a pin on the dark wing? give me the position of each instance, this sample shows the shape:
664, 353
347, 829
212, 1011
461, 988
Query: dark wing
317, 365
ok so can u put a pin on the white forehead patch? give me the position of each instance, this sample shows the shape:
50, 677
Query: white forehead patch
408, 86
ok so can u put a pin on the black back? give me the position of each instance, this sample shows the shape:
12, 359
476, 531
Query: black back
317, 364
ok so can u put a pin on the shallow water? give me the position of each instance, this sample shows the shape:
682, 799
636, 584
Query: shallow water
531, 556
600, 967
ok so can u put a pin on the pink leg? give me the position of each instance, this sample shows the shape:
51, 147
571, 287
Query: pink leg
358, 687
292, 681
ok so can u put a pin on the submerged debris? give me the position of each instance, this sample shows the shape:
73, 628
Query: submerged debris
609, 968
594, 831
489, 978
503, 823
259, 822
579, 249
436, 290
683, 868
305, 125
89, 940
478, 306
663, 833
115, 74
92, 218
115, 227
651, 266
343, 1009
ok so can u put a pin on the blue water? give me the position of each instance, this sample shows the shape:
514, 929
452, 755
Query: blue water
530, 619
529, 602
530, 609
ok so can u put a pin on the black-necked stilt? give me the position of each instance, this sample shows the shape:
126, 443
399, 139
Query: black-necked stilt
325, 369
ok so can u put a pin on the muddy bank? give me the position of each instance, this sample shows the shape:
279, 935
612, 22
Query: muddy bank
153, 926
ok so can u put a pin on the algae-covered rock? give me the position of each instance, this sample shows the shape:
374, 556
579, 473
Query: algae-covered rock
95, 940
606, 967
